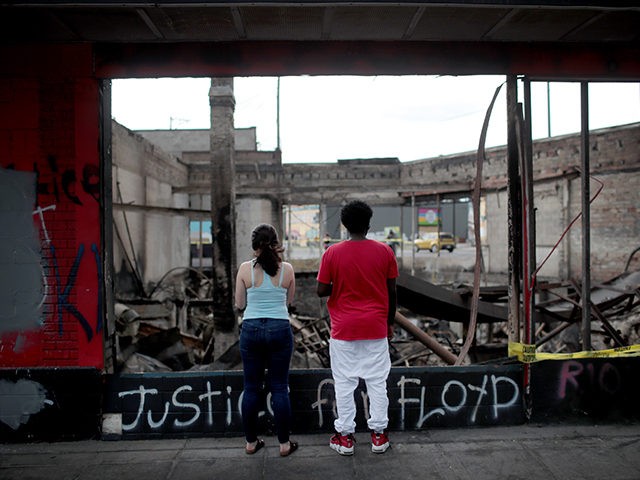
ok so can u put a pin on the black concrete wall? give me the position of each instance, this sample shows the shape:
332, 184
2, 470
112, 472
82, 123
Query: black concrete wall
67, 403
50, 404
598, 389
207, 404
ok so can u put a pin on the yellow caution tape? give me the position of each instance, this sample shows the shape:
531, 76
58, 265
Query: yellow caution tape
527, 353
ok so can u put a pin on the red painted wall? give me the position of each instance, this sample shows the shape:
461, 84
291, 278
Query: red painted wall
49, 125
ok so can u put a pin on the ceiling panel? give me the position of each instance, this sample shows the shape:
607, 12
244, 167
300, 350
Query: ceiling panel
609, 27
504, 21
277, 23
370, 23
106, 24
540, 25
197, 23
33, 25
463, 24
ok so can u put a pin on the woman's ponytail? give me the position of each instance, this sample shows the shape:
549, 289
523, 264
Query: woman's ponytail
265, 239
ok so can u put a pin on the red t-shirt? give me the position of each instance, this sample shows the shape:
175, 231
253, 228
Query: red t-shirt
359, 301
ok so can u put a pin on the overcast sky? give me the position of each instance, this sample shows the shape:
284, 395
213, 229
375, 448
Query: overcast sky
323, 119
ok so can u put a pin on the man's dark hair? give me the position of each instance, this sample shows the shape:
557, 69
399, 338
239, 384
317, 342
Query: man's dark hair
355, 216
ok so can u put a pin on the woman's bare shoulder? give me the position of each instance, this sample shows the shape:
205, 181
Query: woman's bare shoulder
287, 266
245, 265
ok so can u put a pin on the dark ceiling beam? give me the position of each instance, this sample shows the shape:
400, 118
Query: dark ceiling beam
327, 23
604, 4
611, 61
62, 24
415, 19
149, 23
583, 25
238, 23
500, 23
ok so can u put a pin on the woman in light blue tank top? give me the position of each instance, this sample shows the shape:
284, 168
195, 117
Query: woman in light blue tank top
265, 287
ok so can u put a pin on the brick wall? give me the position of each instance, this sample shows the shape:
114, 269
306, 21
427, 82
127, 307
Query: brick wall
615, 224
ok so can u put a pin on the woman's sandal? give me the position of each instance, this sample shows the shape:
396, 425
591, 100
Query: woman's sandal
259, 445
293, 446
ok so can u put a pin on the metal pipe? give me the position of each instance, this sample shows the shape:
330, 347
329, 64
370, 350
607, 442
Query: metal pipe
413, 233
438, 207
426, 339
289, 241
321, 228
529, 218
586, 218
513, 213
553, 333
278, 116
402, 236
548, 109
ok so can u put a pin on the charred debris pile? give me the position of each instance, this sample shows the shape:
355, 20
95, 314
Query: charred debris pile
172, 328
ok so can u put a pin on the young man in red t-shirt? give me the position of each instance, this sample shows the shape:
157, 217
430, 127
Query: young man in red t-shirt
359, 277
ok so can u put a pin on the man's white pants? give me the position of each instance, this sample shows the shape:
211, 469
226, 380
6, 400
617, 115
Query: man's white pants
350, 361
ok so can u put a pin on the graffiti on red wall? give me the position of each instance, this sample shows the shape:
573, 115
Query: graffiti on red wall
55, 284
68, 181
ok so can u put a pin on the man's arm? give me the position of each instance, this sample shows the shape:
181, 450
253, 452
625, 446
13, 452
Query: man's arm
391, 290
324, 289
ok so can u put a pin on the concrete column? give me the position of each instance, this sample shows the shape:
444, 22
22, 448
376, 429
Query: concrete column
223, 176
276, 216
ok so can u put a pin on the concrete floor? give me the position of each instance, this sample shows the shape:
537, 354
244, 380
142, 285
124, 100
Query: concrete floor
527, 452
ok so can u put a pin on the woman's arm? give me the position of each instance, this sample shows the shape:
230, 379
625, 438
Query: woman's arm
241, 288
291, 284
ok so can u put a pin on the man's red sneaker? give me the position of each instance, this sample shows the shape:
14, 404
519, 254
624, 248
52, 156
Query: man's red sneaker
379, 442
343, 444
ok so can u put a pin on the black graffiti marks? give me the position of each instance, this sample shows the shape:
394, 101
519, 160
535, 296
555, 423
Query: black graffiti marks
68, 185
43, 187
67, 181
91, 181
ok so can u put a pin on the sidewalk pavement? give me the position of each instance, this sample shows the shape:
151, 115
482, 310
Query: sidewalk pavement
563, 452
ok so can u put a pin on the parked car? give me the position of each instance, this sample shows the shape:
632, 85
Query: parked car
429, 241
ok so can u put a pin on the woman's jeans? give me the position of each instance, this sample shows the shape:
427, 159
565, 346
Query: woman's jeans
266, 344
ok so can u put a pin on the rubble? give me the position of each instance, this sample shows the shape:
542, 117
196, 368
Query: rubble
172, 329
156, 345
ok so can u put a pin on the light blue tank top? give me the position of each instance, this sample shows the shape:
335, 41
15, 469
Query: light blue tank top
267, 300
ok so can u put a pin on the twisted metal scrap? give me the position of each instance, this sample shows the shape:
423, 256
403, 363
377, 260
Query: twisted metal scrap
480, 157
